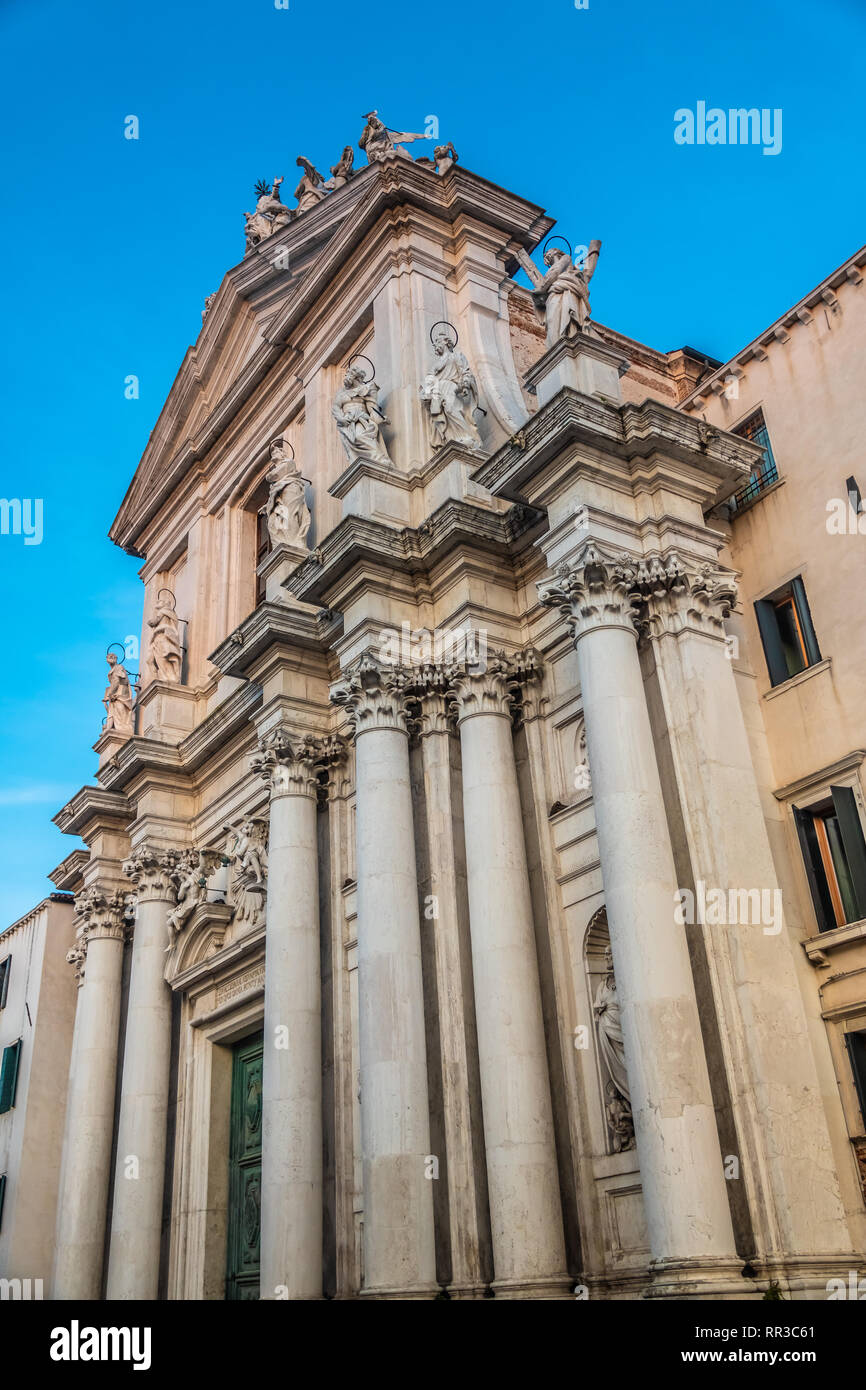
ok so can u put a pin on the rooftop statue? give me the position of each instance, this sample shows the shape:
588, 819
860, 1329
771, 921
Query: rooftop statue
563, 292
343, 170
286, 511
311, 190
378, 142
117, 699
445, 156
450, 393
359, 419
270, 215
166, 654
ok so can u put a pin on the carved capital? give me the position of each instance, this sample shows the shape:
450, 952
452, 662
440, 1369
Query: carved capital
101, 915
153, 871
673, 597
376, 695
597, 591
294, 764
497, 689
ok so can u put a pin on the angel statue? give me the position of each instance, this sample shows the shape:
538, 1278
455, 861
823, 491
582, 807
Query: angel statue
286, 512
270, 215
311, 189
166, 654
378, 142
359, 419
342, 171
196, 866
563, 292
117, 699
450, 393
248, 856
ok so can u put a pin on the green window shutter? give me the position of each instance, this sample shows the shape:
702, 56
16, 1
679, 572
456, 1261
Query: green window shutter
5, 972
845, 806
768, 627
811, 857
2, 1196
9, 1075
856, 1044
812, 649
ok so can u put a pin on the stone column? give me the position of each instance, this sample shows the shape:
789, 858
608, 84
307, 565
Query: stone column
691, 1235
86, 1167
291, 1215
458, 1048
523, 1182
136, 1222
399, 1253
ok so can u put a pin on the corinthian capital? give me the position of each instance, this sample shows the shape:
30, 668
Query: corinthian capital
375, 695
675, 597
291, 763
596, 591
101, 914
495, 689
153, 871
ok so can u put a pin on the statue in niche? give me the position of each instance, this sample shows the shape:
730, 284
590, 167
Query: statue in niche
247, 853
311, 189
563, 291
166, 653
193, 871
270, 215
286, 512
450, 393
445, 156
117, 698
378, 142
608, 1020
342, 171
359, 419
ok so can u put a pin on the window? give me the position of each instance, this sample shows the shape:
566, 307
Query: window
764, 473
5, 968
9, 1075
263, 545
834, 852
787, 634
856, 1044
2, 1196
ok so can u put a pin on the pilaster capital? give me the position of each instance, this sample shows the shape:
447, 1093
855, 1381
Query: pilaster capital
376, 695
101, 915
674, 597
292, 763
153, 871
594, 591
493, 688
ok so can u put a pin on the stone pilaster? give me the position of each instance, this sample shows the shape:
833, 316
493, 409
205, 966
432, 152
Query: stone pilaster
86, 1165
136, 1222
395, 1122
523, 1182
685, 1198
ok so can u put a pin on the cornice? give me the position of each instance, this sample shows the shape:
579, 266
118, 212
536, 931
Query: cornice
94, 804
66, 898
270, 624
67, 876
627, 432
412, 550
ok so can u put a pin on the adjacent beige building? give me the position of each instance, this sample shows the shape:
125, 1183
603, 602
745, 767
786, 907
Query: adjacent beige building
452, 918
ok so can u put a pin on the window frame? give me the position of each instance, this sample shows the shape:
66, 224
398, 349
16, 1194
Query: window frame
5, 972
829, 906
766, 609
10, 1067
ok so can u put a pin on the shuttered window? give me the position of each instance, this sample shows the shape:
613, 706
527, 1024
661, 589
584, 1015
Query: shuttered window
856, 1044
834, 853
2, 1197
9, 1075
5, 969
787, 634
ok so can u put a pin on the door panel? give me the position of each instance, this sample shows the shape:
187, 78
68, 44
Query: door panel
245, 1171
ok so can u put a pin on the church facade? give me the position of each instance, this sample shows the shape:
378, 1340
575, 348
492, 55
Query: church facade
472, 902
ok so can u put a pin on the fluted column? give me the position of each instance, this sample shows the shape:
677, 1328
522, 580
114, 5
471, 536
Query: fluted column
291, 1216
399, 1254
86, 1165
136, 1222
525, 1206
686, 1203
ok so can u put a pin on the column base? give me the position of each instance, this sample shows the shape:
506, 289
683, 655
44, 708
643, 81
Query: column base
462, 1292
805, 1278
415, 1292
700, 1278
554, 1286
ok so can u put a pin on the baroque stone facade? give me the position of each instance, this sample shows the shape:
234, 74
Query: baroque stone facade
442, 886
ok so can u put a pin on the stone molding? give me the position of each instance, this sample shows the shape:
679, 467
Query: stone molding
376, 696
153, 871
292, 763
102, 915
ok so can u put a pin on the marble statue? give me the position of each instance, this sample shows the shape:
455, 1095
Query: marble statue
378, 142
209, 299
117, 699
286, 512
608, 1019
191, 881
359, 419
270, 215
563, 292
248, 856
311, 189
166, 653
342, 171
619, 1119
450, 393
445, 156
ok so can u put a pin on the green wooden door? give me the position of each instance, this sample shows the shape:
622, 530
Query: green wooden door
245, 1171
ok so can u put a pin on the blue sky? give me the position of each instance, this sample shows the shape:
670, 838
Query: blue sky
111, 245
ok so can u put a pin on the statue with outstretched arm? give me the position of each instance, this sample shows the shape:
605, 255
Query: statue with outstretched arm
562, 292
